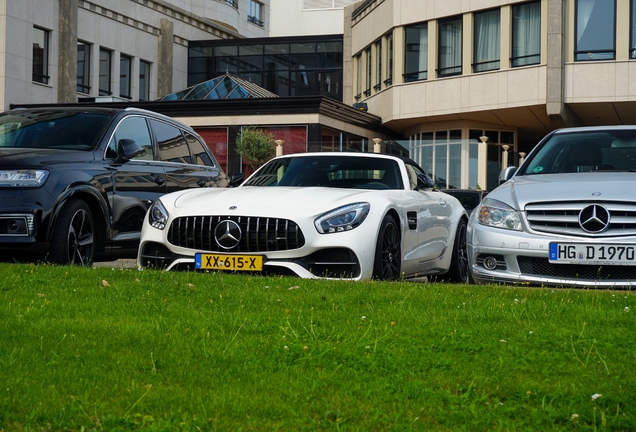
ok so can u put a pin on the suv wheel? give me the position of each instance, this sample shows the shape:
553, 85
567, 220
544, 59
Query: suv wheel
73, 241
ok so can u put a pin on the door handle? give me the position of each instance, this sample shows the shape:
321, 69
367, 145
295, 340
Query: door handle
160, 181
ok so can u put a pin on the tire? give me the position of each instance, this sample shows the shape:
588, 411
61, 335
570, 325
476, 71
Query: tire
73, 241
388, 252
459, 271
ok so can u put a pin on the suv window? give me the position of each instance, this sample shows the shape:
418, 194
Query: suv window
201, 157
172, 145
134, 128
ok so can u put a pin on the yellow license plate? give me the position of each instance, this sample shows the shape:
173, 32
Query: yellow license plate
228, 262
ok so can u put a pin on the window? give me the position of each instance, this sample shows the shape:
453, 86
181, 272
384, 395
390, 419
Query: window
172, 145
125, 63
595, 30
144, 80
450, 47
83, 67
136, 129
369, 69
360, 69
526, 34
201, 156
104, 72
378, 65
416, 56
255, 13
389, 61
487, 42
40, 55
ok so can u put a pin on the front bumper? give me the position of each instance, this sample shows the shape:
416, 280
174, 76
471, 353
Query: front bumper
498, 256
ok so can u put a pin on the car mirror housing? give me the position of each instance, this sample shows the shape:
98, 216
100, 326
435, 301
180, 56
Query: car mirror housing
127, 149
506, 174
424, 182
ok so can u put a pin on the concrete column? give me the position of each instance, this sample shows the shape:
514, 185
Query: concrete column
67, 47
433, 47
560, 114
348, 70
165, 60
399, 42
506, 37
467, 44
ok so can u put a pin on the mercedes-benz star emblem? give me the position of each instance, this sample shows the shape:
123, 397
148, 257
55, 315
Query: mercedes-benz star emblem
227, 234
594, 218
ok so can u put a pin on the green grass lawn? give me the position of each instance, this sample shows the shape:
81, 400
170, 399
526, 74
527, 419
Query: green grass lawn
115, 349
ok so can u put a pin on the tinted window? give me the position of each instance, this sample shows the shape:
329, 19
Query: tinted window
136, 129
201, 157
47, 129
172, 145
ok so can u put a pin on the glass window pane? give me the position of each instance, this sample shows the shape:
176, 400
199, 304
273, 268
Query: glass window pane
136, 129
277, 48
144, 80
526, 34
450, 47
487, 41
104, 72
172, 145
125, 64
303, 47
225, 50
83, 67
595, 29
40, 55
246, 50
416, 55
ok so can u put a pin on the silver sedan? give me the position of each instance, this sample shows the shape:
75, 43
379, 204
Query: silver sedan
566, 217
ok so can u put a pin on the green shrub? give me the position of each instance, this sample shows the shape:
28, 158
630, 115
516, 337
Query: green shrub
255, 146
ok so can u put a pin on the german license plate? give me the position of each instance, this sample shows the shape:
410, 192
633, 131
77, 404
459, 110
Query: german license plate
228, 262
596, 254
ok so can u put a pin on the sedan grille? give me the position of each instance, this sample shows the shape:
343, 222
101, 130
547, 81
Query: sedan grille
542, 267
258, 234
564, 218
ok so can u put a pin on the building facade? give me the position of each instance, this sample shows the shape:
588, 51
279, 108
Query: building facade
307, 17
473, 86
67, 50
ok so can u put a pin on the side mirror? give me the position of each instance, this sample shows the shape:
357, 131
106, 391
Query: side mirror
128, 149
424, 182
236, 179
506, 174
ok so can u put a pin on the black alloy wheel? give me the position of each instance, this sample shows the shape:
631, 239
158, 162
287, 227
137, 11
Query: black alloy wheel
73, 241
459, 271
387, 262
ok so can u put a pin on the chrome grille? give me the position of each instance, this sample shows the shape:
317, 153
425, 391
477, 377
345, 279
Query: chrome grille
563, 218
258, 234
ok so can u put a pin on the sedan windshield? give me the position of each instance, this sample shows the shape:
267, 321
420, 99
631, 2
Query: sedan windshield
70, 130
572, 152
338, 171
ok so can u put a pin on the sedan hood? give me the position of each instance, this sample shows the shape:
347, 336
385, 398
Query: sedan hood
305, 198
596, 186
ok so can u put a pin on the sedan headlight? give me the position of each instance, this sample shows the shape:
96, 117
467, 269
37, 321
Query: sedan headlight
343, 218
158, 215
23, 178
497, 214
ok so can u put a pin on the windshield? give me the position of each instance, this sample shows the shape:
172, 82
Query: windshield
606, 150
337, 171
70, 130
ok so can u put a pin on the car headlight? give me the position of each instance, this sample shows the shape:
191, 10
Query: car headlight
23, 178
497, 214
158, 215
343, 218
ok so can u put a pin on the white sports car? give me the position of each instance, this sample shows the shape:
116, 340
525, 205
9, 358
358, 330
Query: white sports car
314, 215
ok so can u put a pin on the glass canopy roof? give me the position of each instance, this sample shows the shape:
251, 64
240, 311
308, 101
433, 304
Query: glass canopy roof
223, 87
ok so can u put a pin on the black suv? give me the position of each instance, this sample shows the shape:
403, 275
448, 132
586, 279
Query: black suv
75, 183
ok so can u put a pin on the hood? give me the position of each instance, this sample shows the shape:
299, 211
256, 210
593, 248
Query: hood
251, 198
593, 186
34, 158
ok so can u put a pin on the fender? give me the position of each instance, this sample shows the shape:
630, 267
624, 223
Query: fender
96, 196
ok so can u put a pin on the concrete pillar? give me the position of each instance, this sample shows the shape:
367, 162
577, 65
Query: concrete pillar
67, 59
165, 60
348, 70
560, 114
